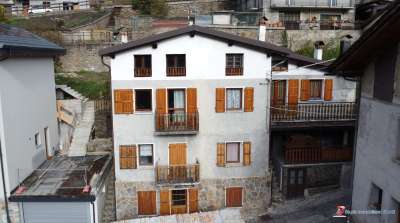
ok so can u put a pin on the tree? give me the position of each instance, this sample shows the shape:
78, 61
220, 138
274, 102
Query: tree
157, 8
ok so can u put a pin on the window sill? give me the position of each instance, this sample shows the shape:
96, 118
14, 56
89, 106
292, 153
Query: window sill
143, 112
227, 165
146, 167
234, 110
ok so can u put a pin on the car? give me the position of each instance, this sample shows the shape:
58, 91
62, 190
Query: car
38, 9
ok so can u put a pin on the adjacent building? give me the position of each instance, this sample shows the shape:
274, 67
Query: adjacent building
191, 121
374, 61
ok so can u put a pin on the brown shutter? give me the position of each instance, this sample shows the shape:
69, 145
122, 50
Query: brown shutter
193, 200
328, 90
248, 99
127, 157
234, 197
123, 101
293, 92
191, 100
221, 154
246, 153
161, 101
220, 100
147, 203
165, 202
305, 90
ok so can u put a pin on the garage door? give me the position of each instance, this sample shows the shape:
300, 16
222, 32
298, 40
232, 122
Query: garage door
56, 212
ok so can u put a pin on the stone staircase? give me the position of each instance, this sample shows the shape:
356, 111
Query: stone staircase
72, 92
82, 132
109, 212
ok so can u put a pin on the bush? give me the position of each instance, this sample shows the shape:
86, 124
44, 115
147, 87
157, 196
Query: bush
330, 51
156, 8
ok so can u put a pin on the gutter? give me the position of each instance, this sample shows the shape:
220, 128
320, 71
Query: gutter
4, 186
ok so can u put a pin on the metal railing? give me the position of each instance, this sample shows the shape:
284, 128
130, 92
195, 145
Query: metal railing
233, 71
176, 71
323, 111
318, 154
175, 174
51, 8
312, 3
142, 72
176, 122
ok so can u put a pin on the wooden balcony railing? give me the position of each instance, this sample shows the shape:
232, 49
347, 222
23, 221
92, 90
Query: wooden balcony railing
324, 111
317, 155
177, 122
176, 174
176, 71
234, 71
142, 72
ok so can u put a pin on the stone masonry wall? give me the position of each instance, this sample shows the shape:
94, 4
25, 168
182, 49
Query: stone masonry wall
211, 195
185, 8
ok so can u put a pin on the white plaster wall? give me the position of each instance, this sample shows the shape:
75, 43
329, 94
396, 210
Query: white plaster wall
28, 105
205, 66
205, 59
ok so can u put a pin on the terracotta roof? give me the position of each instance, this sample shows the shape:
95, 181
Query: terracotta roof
385, 32
211, 33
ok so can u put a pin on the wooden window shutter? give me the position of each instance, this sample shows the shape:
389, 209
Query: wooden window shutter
305, 90
191, 100
165, 202
234, 196
328, 94
147, 203
249, 99
293, 92
127, 157
246, 153
123, 101
193, 200
221, 154
161, 101
220, 100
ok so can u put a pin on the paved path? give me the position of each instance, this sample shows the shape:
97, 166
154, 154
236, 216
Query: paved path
316, 209
82, 131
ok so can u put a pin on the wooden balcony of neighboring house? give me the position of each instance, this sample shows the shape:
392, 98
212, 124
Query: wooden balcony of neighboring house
234, 71
317, 154
312, 114
178, 174
176, 71
142, 72
181, 123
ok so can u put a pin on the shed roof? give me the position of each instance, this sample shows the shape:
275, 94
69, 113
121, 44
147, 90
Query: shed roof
20, 42
211, 33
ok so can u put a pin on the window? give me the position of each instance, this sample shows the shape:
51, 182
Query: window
315, 89
375, 199
333, 2
178, 197
176, 65
127, 157
147, 203
233, 196
176, 100
143, 100
233, 152
234, 64
146, 156
384, 74
38, 141
234, 99
142, 65
46, 4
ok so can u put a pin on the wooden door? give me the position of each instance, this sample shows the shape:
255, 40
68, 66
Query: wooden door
296, 182
177, 162
147, 203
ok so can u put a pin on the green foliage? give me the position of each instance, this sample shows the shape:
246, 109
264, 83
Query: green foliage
156, 8
331, 50
3, 17
90, 84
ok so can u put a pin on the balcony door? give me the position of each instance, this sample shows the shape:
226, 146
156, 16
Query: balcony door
177, 163
176, 106
295, 182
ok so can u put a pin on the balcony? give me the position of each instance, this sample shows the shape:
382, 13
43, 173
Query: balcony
176, 71
316, 113
178, 174
302, 155
177, 124
142, 72
234, 71
322, 4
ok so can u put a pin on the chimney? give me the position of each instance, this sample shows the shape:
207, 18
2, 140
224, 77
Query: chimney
345, 43
124, 37
318, 49
262, 31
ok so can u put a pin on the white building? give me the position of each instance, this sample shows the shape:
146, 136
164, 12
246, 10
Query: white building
190, 119
374, 60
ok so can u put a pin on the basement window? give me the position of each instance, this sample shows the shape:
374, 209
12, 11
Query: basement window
38, 142
375, 199
143, 100
179, 197
146, 155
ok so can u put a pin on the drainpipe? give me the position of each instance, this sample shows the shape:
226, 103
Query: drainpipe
94, 212
4, 185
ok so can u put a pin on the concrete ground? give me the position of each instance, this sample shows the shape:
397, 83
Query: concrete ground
315, 209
